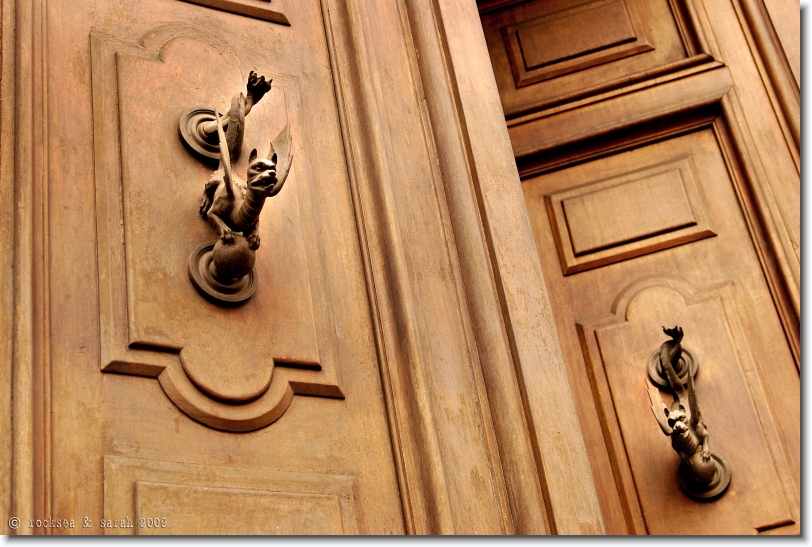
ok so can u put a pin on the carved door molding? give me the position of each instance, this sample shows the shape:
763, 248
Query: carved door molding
675, 161
143, 334
701, 89
486, 270
136, 486
705, 99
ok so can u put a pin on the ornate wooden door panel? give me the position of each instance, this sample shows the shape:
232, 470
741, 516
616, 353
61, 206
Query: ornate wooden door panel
706, 285
653, 203
179, 409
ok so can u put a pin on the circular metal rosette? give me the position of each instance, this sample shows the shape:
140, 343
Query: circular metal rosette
191, 127
202, 277
711, 490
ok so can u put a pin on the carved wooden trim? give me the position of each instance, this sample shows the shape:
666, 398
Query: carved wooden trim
644, 122
421, 476
416, 381
24, 165
22, 82
696, 35
595, 50
703, 99
8, 403
765, 44
493, 235
533, 136
126, 479
771, 236
695, 28
524, 495
579, 251
267, 10
123, 348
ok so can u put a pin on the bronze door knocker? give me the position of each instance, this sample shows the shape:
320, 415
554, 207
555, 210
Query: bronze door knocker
703, 475
223, 270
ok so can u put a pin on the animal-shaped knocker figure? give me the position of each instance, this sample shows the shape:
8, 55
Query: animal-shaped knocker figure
223, 270
703, 475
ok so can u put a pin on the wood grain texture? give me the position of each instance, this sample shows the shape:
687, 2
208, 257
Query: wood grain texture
7, 226
534, 135
544, 42
527, 508
29, 357
426, 505
678, 99
756, 499
665, 190
764, 215
550, 53
268, 10
414, 287
567, 485
706, 28
212, 511
776, 65
615, 219
141, 319
414, 282
764, 121
731, 257
99, 413
786, 21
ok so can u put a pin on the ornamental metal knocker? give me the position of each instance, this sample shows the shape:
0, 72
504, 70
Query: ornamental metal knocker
703, 475
223, 270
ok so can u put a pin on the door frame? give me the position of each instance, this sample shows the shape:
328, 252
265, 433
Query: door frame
513, 357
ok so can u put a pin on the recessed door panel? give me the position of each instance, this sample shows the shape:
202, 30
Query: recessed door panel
192, 408
651, 237
545, 53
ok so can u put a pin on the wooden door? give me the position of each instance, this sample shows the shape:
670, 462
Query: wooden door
390, 373
661, 177
170, 413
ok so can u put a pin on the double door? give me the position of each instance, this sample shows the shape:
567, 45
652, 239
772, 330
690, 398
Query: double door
383, 377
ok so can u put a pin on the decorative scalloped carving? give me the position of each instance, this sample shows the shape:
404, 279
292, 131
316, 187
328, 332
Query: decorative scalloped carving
153, 323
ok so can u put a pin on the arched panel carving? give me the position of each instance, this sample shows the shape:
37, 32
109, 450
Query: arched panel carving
234, 369
616, 348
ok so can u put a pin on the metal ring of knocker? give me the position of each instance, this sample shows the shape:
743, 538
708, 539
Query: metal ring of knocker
687, 362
